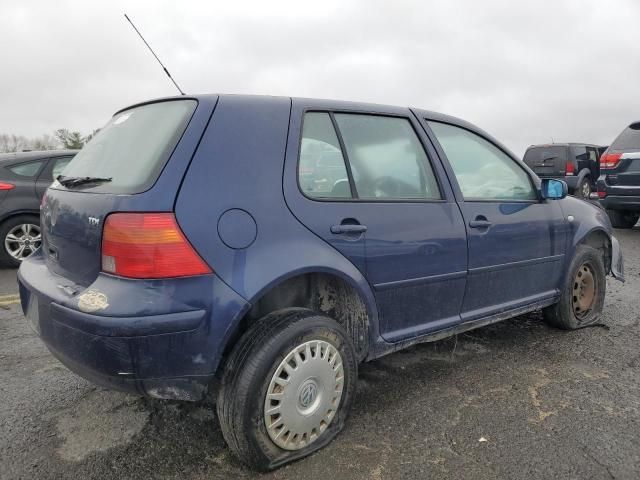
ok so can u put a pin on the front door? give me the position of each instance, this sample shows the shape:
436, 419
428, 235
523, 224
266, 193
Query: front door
516, 240
367, 179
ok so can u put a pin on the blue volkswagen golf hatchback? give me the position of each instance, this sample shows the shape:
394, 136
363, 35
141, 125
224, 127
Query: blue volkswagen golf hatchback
258, 248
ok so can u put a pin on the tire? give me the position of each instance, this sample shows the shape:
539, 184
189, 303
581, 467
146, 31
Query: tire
623, 218
252, 371
14, 226
583, 190
579, 306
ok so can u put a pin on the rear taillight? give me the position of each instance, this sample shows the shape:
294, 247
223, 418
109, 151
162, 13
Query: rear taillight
148, 245
7, 186
602, 194
609, 160
570, 169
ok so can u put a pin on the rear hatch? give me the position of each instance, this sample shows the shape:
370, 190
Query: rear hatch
624, 155
109, 174
547, 160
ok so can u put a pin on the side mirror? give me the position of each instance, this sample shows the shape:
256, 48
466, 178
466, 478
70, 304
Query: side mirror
553, 189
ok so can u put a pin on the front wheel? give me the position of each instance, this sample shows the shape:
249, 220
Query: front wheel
287, 388
582, 296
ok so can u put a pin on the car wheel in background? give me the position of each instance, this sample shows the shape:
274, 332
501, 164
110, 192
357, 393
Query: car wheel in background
287, 388
584, 188
622, 218
20, 236
582, 296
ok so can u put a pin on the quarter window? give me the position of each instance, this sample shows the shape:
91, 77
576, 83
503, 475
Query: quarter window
321, 170
386, 158
27, 169
483, 171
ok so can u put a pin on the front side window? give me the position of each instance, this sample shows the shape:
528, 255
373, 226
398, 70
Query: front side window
321, 169
483, 171
386, 158
27, 169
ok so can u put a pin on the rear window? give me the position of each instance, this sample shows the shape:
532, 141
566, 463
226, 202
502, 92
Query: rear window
629, 139
536, 155
132, 148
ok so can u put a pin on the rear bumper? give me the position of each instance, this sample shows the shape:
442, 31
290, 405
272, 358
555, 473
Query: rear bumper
167, 346
621, 202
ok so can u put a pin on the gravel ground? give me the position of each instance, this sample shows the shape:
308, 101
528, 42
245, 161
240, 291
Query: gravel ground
513, 400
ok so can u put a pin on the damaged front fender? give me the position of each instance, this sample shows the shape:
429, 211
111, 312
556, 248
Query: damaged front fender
617, 261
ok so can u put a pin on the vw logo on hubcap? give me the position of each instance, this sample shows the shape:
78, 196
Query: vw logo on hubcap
308, 394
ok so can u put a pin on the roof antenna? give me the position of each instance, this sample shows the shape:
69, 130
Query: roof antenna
154, 54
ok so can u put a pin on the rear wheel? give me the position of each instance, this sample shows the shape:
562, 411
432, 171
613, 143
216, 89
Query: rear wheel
582, 296
584, 188
20, 238
287, 388
623, 218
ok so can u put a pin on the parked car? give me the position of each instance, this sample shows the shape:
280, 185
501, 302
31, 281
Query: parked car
24, 177
619, 182
183, 256
575, 163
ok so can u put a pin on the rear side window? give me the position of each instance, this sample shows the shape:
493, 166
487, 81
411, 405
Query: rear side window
579, 152
386, 157
59, 165
133, 147
321, 171
483, 171
629, 139
30, 169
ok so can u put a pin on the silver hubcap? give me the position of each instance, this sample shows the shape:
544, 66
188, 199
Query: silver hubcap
22, 240
304, 394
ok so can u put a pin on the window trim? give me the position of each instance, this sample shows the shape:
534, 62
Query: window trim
519, 164
355, 198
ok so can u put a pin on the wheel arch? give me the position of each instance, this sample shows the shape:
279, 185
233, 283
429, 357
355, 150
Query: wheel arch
599, 239
347, 300
17, 213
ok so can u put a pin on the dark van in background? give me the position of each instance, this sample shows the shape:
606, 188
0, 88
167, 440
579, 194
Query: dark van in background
24, 177
619, 183
575, 163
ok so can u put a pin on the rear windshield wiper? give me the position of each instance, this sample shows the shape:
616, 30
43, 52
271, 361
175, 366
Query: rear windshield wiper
75, 181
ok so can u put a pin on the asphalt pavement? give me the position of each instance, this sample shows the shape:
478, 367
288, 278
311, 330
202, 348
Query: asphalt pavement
514, 400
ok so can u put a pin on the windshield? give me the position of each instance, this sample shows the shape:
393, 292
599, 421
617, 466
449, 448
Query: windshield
132, 149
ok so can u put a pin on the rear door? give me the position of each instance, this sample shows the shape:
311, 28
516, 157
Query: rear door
23, 175
547, 160
516, 241
389, 211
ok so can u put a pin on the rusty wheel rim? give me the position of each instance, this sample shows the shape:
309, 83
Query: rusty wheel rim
584, 291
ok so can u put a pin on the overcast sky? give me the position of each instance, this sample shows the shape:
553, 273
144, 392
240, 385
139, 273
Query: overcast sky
566, 69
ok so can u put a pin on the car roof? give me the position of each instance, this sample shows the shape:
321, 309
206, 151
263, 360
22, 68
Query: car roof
337, 105
34, 155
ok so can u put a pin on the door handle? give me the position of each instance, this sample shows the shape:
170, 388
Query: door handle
480, 222
348, 229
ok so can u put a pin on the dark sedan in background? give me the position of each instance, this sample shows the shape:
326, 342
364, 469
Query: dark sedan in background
24, 177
